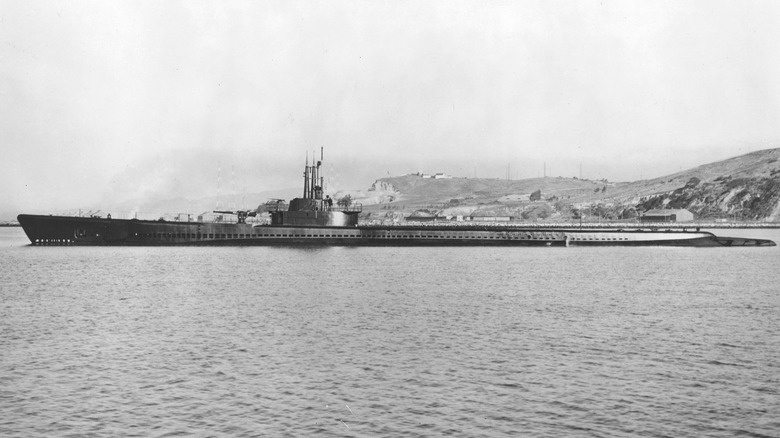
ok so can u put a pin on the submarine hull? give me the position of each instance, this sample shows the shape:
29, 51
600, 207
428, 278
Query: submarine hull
81, 231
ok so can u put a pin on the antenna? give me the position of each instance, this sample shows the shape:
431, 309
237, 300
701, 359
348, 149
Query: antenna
319, 175
306, 178
219, 178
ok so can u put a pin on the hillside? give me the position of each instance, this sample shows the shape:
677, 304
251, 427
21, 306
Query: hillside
745, 188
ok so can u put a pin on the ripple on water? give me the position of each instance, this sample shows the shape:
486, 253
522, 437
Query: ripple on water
389, 342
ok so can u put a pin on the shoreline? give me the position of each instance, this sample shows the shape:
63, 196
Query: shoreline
548, 225
590, 225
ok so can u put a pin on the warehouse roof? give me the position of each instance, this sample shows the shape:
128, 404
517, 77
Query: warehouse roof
666, 212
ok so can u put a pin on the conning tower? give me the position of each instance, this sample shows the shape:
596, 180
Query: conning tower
313, 209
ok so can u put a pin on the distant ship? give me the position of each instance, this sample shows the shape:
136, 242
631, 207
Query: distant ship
314, 220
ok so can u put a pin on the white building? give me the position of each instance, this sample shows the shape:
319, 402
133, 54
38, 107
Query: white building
667, 215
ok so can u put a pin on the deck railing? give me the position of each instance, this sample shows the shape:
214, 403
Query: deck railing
346, 208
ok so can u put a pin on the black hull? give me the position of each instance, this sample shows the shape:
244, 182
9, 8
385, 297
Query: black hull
79, 231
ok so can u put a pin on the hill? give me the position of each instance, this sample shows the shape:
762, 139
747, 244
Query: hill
745, 188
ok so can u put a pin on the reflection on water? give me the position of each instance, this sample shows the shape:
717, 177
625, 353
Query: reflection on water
388, 341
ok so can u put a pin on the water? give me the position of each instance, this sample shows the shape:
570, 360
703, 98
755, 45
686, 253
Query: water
389, 342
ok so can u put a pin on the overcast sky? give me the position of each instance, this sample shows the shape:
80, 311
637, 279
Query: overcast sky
121, 99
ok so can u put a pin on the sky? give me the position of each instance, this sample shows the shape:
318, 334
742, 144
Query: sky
111, 101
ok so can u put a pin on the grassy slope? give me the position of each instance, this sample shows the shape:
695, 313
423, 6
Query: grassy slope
728, 185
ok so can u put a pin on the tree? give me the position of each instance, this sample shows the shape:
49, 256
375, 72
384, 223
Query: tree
538, 211
535, 196
563, 207
628, 213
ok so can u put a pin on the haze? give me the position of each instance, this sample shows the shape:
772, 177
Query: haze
110, 101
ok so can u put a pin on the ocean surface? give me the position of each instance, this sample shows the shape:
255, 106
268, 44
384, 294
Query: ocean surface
389, 342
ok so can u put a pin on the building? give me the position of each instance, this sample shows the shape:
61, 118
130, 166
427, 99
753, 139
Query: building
426, 218
490, 218
670, 215
439, 175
